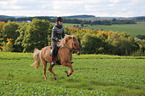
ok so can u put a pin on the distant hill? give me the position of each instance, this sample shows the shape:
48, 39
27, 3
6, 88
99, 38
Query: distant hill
4, 16
74, 16
79, 19
139, 18
79, 16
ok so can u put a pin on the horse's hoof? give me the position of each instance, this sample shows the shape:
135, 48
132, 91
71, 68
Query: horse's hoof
66, 71
54, 78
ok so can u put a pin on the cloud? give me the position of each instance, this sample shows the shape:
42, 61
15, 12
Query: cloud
114, 1
72, 7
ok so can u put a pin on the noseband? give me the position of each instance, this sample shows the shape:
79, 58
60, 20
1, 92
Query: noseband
73, 49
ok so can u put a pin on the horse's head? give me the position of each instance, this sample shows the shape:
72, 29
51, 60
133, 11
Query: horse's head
75, 45
71, 42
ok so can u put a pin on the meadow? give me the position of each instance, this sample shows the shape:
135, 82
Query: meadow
94, 75
132, 29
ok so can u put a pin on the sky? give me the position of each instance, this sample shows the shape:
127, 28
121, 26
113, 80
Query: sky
99, 8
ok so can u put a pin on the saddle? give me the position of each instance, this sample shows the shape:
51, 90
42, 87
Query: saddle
55, 51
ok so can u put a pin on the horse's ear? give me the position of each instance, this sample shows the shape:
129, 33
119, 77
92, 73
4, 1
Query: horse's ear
68, 38
74, 39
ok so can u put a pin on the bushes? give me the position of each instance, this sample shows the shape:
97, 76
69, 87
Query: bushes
7, 47
92, 44
111, 43
25, 37
123, 44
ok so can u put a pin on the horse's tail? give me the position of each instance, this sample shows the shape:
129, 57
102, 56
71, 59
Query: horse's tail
36, 58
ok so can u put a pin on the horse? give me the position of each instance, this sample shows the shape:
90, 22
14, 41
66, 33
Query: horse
67, 46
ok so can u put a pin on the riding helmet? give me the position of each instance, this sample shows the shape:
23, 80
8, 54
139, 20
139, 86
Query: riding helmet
59, 19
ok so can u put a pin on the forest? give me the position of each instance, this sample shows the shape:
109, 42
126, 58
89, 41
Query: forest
24, 37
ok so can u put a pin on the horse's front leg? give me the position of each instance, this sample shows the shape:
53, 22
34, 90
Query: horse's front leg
70, 71
50, 69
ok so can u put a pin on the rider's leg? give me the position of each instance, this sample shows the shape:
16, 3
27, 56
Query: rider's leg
53, 52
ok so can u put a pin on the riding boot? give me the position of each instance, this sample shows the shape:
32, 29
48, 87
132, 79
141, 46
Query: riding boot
52, 61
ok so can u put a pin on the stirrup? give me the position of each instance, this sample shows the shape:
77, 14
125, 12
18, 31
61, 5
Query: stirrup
52, 63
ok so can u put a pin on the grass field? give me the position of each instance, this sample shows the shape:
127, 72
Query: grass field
94, 75
134, 30
71, 25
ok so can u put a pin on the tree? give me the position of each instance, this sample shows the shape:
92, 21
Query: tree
36, 35
9, 31
141, 37
1, 37
142, 48
7, 46
91, 44
123, 43
82, 24
18, 42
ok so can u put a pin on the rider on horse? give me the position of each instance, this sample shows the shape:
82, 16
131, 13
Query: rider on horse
58, 32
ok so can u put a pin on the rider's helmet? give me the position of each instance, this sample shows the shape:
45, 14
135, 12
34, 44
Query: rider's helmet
59, 19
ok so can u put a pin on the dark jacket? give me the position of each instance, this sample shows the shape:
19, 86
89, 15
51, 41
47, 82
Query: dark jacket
58, 32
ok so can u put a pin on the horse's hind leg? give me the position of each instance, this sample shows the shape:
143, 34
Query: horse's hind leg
44, 68
50, 69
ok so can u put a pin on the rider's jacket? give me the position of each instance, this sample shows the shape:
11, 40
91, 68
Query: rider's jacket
58, 32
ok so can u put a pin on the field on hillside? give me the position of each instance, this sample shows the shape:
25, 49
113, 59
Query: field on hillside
93, 75
71, 25
134, 30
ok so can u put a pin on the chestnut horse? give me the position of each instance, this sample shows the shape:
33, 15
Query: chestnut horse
68, 45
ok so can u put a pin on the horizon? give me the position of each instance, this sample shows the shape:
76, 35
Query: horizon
76, 15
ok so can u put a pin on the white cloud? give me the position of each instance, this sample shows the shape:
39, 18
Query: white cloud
65, 4
72, 7
114, 1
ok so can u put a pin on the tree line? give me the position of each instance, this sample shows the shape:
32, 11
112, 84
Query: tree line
71, 20
24, 37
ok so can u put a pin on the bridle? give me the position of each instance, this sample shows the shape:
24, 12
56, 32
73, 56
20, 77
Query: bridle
73, 49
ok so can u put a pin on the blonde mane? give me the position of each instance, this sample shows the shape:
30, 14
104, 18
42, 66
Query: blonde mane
63, 41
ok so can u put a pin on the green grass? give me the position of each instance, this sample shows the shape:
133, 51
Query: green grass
93, 75
71, 25
132, 29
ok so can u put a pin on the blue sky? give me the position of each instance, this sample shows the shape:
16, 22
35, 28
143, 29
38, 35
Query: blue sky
99, 8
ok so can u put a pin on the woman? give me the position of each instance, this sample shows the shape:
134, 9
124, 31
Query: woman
58, 33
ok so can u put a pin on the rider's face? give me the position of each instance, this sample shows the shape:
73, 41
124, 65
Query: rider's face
60, 23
